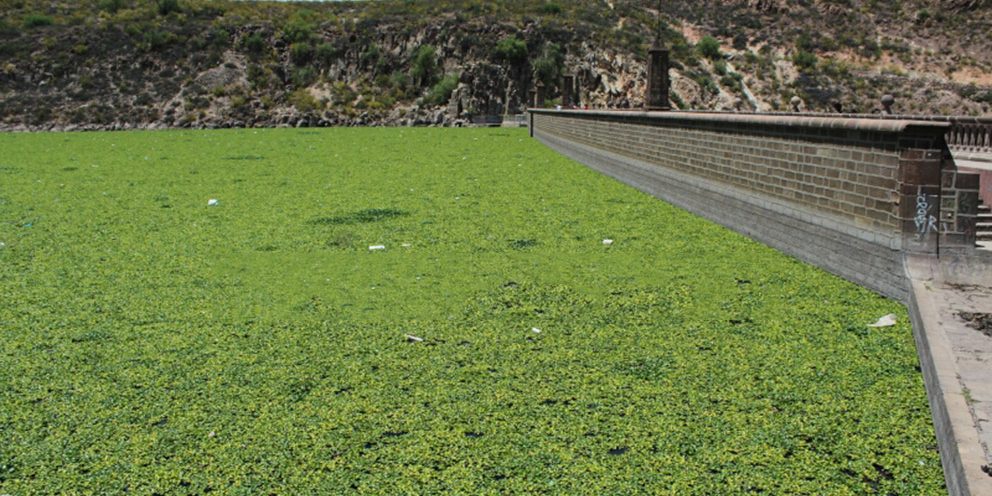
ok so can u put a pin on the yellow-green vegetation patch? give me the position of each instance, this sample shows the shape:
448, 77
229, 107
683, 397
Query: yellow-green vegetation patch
420, 311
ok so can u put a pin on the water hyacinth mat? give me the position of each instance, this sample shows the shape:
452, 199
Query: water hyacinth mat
420, 311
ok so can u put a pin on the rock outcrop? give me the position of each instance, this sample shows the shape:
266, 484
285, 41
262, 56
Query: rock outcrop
240, 65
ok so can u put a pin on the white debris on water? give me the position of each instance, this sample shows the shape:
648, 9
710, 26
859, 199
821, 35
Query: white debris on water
410, 338
607, 242
885, 321
213, 202
377, 247
535, 330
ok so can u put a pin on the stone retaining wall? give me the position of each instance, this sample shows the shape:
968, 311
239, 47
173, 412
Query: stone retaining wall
849, 195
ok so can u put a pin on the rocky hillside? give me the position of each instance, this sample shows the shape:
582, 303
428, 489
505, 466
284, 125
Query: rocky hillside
80, 64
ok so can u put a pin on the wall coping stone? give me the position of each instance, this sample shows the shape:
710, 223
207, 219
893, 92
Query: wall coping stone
792, 121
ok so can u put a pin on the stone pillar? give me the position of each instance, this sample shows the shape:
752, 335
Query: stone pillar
919, 199
567, 86
533, 97
539, 95
658, 84
887, 101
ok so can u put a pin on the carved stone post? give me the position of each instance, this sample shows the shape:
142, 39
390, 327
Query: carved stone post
567, 86
658, 83
887, 101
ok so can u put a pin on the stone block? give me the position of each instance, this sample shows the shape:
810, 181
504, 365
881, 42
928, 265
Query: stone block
967, 181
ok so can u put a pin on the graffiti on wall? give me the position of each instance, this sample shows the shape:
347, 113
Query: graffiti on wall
926, 222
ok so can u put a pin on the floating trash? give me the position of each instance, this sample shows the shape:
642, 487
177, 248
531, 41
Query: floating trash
535, 330
213, 202
377, 247
406, 245
607, 242
885, 321
413, 339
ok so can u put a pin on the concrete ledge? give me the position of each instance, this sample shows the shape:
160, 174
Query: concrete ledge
958, 438
792, 121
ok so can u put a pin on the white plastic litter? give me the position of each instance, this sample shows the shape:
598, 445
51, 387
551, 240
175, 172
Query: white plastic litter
406, 245
607, 242
885, 321
212, 202
413, 339
535, 330
2, 245
377, 247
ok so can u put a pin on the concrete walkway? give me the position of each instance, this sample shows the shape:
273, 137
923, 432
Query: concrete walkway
957, 363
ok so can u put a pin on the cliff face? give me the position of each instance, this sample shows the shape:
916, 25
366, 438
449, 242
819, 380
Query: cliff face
176, 63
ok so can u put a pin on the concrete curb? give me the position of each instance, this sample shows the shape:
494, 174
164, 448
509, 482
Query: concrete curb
957, 437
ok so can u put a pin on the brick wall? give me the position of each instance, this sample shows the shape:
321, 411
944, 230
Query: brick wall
850, 195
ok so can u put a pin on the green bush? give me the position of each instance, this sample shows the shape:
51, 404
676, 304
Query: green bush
37, 20
551, 8
709, 47
870, 47
805, 42
166, 7
834, 68
300, 27
257, 76
111, 6
720, 67
973, 92
370, 56
512, 49
342, 93
804, 60
301, 53
733, 81
704, 81
303, 101
327, 53
441, 92
740, 41
399, 83
255, 43
547, 67
304, 76
424, 65
220, 37
153, 40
